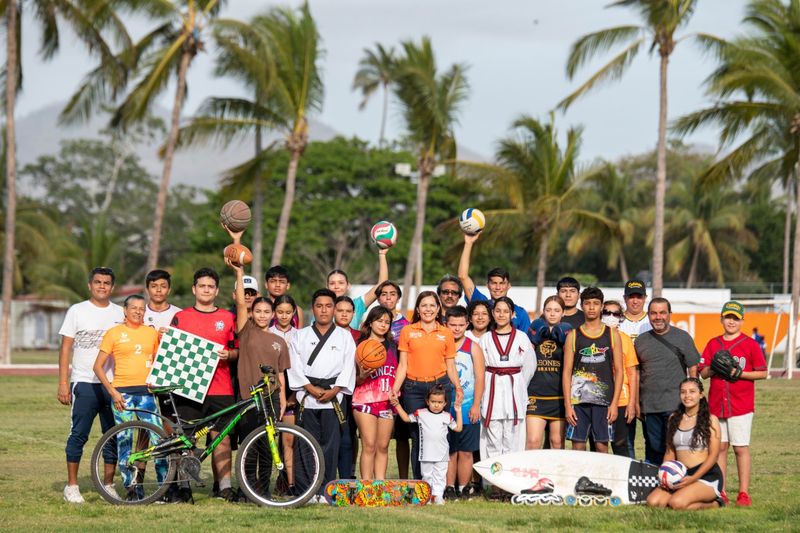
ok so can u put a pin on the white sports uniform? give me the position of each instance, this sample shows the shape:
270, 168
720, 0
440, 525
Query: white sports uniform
434, 450
336, 358
160, 319
510, 365
634, 328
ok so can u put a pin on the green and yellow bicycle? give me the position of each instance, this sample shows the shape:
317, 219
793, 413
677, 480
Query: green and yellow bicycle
154, 459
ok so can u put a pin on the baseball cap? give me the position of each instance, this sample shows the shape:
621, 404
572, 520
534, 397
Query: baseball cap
635, 286
249, 282
733, 308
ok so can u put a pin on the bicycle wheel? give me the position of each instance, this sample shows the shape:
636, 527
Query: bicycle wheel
261, 480
122, 482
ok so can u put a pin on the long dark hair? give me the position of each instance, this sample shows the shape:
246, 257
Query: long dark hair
425, 294
702, 427
471, 309
374, 314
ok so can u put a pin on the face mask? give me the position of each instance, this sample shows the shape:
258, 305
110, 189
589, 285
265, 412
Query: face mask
610, 321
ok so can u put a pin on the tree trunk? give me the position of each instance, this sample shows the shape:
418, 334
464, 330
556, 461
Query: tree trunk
296, 145
661, 181
11, 181
792, 344
623, 265
425, 170
540, 273
382, 138
693, 268
787, 232
258, 217
169, 153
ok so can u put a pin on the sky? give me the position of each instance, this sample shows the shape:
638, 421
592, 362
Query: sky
515, 51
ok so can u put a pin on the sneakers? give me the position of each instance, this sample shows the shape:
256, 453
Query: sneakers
724, 496
743, 500
450, 493
543, 486
111, 490
227, 494
72, 494
470, 491
317, 499
587, 486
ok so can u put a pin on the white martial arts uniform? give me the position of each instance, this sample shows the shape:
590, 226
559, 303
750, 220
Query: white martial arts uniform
434, 450
335, 359
505, 397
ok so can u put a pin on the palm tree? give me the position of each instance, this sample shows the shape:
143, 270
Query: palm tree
542, 184
430, 101
758, 97
706, 221
610, 215
376, 70
661, 19
88, 19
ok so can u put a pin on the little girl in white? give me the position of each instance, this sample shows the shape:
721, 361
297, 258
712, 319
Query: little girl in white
434, 450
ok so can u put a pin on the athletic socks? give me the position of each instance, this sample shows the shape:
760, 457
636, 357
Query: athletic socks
224, 483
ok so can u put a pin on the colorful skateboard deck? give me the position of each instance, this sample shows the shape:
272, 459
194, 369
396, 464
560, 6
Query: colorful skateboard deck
377, 493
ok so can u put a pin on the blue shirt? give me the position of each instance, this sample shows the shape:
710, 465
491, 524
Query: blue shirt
521, 319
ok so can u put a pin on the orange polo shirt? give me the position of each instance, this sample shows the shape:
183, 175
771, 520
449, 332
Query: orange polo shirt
427, 351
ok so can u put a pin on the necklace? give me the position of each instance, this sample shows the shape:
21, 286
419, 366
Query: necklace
687, 415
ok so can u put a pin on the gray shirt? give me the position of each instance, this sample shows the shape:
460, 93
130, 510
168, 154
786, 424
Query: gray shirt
661, 370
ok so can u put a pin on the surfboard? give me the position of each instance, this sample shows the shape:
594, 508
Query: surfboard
631, 481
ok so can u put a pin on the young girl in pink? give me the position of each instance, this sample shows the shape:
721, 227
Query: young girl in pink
373, 413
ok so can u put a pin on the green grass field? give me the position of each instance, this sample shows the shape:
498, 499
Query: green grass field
32, 473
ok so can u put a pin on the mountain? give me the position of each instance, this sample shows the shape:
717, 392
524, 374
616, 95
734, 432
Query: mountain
39, 133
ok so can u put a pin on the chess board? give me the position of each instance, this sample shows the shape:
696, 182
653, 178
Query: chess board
186, 359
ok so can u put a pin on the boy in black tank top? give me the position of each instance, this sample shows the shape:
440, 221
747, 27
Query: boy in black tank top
592, 376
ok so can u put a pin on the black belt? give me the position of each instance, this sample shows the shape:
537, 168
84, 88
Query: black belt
327, 384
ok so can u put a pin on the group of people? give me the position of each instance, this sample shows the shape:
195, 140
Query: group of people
460, 382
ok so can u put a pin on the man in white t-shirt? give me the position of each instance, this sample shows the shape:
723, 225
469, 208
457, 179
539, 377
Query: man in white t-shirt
83, 329
159, 311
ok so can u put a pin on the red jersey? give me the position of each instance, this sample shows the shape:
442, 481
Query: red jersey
215, 326
355, 333
727, 399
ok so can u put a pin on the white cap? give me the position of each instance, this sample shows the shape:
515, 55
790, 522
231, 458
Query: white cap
249, 282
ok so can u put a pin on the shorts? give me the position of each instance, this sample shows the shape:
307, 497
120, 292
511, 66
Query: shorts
591, 419
382, 409
467, 440
736, 429
190, 410
712, 478
549, 408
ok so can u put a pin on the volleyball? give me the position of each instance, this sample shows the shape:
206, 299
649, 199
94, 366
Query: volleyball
383, 234
472, 221
670, 473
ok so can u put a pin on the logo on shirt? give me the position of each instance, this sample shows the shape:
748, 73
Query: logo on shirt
415, 335
548, 348
123, 337
440, 337
276, 346
219, 325
593, 354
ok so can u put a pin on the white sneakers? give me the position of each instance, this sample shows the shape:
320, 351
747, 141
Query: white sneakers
318, 499
110, 489
72, 494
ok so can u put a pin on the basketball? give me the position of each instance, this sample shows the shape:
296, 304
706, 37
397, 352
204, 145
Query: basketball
472, 221
670, 473
371, 354
383, 234
235, 215
238, 254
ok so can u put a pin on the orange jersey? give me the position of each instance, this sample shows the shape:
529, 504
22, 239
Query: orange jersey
629, 359
133, 350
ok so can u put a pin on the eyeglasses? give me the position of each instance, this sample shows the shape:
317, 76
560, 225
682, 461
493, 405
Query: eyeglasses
449, 292
617, 314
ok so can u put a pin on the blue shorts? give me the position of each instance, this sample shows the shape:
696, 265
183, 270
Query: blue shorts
591, 418
467, 440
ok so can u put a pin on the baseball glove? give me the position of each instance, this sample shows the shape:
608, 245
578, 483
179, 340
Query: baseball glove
726, 366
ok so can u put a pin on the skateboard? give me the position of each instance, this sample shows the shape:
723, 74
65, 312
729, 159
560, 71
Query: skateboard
377, 493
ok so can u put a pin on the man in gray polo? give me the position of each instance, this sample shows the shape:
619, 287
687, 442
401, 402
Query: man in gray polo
666, 356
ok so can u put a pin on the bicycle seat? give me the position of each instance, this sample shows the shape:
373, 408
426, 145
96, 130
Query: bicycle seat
266, 369
164, 388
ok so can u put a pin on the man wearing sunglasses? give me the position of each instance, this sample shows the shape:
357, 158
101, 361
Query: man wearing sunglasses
449, 290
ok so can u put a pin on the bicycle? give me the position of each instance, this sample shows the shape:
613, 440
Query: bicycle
260, 468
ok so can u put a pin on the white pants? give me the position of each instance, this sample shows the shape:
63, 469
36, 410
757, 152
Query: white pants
502, 437
435, 474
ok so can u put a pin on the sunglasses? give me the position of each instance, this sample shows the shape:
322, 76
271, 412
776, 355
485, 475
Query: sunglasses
617, 314
448, 292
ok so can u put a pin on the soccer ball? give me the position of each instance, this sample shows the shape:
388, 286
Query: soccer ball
472, 221
383, 234
670, 473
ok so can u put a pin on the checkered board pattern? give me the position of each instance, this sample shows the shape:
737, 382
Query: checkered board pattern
187, 359
642, 479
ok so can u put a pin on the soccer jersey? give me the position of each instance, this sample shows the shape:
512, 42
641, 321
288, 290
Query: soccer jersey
521, 320
634, 328
548, 342
334, 361
726, 399
215, 326
433, 445
379, 383
86, 324
160, 319
133, 349
593, 371
466, 376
